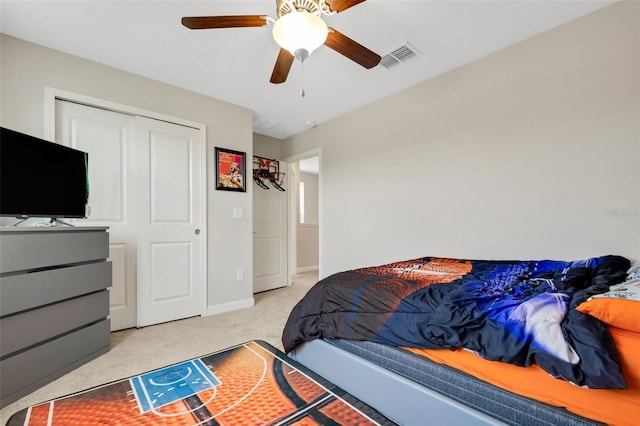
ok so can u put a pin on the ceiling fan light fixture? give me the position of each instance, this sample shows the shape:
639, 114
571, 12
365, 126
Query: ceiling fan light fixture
300, 33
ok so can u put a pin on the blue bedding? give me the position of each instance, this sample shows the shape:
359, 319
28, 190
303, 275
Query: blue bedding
519, 312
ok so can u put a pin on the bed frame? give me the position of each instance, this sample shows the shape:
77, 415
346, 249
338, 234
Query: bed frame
459, 399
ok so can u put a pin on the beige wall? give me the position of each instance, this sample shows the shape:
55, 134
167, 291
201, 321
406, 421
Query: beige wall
307, 246
311, 197
532, 152
26, 69
266, 146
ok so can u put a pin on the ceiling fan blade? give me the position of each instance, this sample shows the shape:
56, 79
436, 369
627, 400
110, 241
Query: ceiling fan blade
282, 67
340, 5
206, 22
351, 49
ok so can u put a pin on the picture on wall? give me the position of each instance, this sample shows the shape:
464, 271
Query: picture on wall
230, 170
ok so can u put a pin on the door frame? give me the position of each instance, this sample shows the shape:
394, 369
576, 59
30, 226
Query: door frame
52, 94
294, 174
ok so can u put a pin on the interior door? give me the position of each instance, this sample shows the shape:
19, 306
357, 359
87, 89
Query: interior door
169, 221
146, 182
108, 137
270, 244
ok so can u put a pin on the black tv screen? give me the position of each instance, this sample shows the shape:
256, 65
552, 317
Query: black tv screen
40, 178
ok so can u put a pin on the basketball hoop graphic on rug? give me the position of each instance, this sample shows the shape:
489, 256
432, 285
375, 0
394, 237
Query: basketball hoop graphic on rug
178, 382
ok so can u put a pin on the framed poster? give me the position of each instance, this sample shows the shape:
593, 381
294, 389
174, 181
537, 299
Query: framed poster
230, 170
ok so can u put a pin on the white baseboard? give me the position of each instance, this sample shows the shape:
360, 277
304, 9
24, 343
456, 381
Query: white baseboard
228, 307
306, 269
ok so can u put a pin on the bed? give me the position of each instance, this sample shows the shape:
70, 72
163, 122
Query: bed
456, 341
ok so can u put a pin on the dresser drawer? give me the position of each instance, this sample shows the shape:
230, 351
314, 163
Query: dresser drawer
36, 249
41, 364
28, 291
39, 325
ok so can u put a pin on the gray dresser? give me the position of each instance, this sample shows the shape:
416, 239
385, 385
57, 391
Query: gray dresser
54, 304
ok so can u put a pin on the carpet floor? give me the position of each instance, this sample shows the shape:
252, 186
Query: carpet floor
139, 350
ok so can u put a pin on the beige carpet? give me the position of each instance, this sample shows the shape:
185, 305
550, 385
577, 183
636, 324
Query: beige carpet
135, 351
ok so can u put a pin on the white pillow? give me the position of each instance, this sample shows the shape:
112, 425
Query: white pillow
634, 272
629, 290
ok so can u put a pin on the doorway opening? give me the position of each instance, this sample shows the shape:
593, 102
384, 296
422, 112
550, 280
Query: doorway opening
304, 212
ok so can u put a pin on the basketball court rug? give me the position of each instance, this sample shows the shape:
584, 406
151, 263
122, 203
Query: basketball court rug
249, 384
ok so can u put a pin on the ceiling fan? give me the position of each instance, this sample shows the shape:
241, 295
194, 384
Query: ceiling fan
298, 30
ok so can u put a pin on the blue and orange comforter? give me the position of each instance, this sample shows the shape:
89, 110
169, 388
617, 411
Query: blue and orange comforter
519, 312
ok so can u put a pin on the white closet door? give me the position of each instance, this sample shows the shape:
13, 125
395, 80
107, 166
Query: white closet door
108, 137
146, 182
169, 222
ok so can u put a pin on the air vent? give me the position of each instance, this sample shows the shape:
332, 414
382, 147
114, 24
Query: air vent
264, 124
398, 55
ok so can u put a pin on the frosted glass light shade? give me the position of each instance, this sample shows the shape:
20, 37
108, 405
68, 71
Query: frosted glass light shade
300, 30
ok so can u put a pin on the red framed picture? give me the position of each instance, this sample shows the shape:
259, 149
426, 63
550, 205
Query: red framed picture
230, 170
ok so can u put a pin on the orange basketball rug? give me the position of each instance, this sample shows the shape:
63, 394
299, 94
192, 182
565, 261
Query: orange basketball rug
250, 384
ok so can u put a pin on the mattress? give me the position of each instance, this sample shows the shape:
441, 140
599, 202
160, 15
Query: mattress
611, 406
470, 391
517, 312
559, 329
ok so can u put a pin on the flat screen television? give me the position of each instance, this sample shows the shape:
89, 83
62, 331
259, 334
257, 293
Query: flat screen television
40, 178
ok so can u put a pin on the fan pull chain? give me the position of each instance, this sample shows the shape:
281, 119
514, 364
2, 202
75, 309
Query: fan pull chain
302, 94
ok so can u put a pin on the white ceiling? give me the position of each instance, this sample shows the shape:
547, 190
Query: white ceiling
234, 65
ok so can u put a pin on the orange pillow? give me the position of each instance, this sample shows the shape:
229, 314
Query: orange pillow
621, 313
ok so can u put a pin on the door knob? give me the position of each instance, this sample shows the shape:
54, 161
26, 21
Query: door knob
197, 232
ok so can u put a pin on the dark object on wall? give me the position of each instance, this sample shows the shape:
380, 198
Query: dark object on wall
230, 170
267, 169
40, 178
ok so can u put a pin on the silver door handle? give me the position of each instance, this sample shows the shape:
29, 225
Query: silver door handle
197, 232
